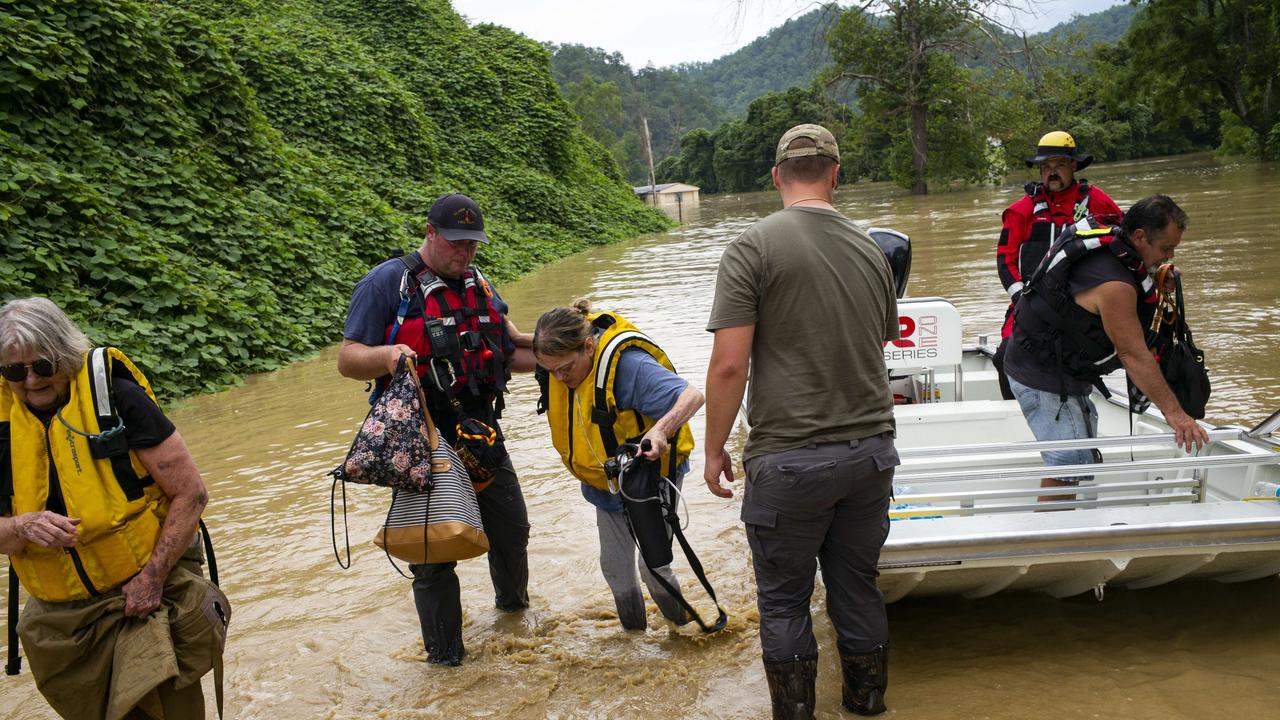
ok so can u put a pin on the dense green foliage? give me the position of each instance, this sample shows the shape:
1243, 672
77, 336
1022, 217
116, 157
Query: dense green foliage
202, 183
1229, 49
967, 109
611, 100
739, 154
788, 55
944, 97
679, 99
910, 81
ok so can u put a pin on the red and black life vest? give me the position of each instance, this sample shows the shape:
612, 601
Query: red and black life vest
1055, 330
1046, 226
463, 351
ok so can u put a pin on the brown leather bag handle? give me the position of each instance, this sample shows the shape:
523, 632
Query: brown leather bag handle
1166, 306
433, 436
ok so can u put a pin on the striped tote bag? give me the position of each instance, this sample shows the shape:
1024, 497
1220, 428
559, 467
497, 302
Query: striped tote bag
441, 522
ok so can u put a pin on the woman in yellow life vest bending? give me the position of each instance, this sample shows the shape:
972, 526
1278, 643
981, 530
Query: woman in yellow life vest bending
99, 500
609, 384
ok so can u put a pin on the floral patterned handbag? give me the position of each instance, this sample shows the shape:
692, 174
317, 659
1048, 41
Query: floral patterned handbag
394, 447
434, 515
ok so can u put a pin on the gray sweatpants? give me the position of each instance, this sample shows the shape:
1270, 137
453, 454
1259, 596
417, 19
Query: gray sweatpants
619, 561
827, 502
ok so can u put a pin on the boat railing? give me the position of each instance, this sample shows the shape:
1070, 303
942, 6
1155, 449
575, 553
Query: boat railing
942, 451
1003, 480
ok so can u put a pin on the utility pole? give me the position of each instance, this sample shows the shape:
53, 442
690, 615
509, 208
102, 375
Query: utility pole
648, 151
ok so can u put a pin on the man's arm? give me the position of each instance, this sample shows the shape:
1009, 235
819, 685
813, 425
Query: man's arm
522, 360
726, 383
369, 362
1115, 302
1012, 234
171, 466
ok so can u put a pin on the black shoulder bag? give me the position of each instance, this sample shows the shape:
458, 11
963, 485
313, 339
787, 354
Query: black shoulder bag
1183, 364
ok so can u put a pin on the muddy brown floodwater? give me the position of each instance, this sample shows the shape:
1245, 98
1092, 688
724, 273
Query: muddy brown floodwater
310, 640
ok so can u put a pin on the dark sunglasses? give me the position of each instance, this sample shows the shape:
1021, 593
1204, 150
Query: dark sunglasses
17, 372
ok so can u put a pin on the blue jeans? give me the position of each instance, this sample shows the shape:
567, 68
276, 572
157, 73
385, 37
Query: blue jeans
1052, 419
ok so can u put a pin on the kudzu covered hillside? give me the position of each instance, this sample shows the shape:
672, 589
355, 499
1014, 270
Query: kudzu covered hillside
201, 183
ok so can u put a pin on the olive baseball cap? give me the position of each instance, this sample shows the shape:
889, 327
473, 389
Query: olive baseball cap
457, 217
824, 143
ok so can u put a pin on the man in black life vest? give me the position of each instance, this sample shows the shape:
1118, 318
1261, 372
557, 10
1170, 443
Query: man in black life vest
1080, 317
1031, 224
435, 306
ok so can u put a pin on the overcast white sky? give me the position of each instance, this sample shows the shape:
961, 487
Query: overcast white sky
667, 32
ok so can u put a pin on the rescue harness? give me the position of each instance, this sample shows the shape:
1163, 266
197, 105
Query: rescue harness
1045, 228
458, 336
1076, 342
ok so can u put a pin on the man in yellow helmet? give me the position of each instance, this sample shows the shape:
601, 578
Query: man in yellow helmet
1033, 222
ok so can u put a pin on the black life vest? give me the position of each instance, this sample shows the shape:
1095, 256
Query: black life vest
1059, 333
464, 356
1045, 227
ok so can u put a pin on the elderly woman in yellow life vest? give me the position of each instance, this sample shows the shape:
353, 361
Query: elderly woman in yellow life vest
99, 500
607, 384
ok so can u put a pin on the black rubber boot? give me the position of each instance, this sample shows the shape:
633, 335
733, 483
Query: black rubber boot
866, 677
791, 688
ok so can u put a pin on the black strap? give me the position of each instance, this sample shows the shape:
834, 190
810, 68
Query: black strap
1183, 331
346, 531
413, 263
6, 471
111, 442
14, 664
669, 514
210, 559
543, 376
426, 521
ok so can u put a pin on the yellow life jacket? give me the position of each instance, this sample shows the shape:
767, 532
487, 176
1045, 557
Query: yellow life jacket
587, 425
102, 482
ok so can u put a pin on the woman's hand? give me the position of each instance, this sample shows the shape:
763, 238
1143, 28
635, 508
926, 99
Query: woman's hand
47, 529
657, 443
142, 594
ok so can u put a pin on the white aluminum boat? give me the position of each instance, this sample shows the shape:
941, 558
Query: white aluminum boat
965, 520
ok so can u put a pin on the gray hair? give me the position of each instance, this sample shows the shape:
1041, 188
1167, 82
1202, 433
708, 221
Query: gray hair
563, 330
36, 323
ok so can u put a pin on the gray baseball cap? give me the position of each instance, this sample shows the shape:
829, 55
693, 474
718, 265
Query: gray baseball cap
824, 143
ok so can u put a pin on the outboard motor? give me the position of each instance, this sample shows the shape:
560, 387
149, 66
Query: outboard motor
897, 249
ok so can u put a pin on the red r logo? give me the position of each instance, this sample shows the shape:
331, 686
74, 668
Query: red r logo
906, 328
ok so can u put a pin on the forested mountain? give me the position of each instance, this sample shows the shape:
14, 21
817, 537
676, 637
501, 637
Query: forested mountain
943, 100
786, 56
613, 101
201, 183
1107, 26
611, 97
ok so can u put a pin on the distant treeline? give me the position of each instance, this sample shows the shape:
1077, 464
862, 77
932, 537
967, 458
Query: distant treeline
1133, 81
201, 183
611, 98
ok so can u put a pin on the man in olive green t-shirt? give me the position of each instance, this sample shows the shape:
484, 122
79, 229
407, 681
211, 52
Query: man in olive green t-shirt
806, 299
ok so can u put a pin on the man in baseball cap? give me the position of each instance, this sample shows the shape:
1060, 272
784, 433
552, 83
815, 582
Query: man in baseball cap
821, 143
819, 398
434, 304
457, 217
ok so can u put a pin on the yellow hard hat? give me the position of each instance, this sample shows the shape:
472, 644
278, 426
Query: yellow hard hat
1059, 144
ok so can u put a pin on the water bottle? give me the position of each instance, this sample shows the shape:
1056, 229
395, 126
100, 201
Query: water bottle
899, 490
1266, 489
